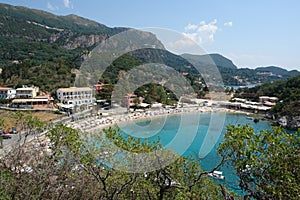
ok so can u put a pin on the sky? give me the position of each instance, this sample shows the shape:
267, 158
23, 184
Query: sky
251, 33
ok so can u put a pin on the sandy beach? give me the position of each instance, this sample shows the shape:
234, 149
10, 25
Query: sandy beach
99, 122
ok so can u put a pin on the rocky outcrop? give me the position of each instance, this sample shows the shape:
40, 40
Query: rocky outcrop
71, 40
289, 122
84, 41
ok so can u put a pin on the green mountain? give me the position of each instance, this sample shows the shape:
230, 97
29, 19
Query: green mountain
37, 47
239, 76
69, 31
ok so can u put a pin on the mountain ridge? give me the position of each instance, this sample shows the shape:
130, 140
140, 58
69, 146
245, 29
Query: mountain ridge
41, 41
212, 58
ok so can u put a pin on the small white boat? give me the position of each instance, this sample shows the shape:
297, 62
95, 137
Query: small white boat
249, 118
217, 175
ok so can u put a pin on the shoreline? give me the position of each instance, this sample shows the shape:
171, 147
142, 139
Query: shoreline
100, 122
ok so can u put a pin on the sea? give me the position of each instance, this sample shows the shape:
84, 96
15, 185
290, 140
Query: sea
194, 134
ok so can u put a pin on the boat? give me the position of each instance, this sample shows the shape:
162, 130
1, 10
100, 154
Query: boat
249, 118
217, 175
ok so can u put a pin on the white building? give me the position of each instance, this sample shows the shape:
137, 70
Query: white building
75, 95
26, 92
7, 93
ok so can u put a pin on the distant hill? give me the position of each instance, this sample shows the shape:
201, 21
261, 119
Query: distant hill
177, 62
216, 59
240, 76
277, 71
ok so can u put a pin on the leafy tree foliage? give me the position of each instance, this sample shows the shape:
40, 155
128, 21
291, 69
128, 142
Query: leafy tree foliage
267, 162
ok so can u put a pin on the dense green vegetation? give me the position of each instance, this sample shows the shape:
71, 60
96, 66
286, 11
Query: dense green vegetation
156, 93
137, 58
45, 65
267, 162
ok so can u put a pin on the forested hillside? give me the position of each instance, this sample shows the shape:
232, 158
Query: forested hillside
37, 47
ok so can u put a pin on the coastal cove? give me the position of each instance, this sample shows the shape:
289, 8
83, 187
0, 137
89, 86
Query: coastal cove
165, 128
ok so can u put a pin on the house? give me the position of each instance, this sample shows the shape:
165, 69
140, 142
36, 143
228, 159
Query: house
129, 100
7, 93
75, 96
26, 92
98, 87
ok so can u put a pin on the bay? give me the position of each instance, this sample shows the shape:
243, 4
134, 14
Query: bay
186, 133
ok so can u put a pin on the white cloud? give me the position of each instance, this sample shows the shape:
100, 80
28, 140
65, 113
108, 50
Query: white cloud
229, 24
190, 27
51, 7
202, 33
184, 44
67, 3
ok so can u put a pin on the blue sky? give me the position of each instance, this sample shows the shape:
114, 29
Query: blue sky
251, 33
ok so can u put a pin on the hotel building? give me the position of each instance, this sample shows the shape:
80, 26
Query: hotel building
75, 95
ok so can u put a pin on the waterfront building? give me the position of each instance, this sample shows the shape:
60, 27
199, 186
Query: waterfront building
38, 102
129, 100
26, 92
75, 96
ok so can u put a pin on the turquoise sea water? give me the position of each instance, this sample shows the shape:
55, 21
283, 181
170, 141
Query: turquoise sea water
186, 133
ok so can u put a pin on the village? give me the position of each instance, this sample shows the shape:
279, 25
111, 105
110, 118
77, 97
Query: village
78, 99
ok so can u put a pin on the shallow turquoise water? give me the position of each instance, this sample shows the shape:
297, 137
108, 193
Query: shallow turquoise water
186, 133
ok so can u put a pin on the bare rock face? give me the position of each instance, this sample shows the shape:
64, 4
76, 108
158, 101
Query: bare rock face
84, 41
289, 122
71, 40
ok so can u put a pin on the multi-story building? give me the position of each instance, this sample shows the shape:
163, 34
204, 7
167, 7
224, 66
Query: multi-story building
75, 95
7, 93
26, 92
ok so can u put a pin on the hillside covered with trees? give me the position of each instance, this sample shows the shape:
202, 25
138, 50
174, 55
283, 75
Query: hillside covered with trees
37, 47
